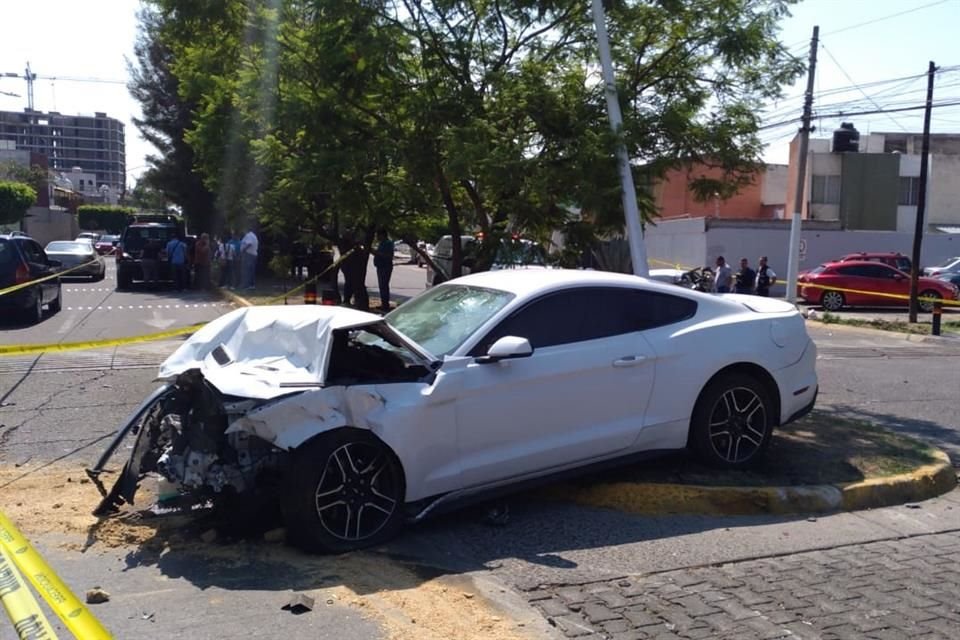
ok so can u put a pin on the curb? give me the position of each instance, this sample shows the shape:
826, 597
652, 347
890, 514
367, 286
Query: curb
923, 483
898, 335
233, 297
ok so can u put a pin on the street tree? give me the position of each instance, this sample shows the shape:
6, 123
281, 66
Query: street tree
15, 199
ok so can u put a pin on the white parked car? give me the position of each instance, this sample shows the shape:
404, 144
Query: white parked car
488, 381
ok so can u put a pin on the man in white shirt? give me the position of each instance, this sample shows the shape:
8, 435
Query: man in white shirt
249, 247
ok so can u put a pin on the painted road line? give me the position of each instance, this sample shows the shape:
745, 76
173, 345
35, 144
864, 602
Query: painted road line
77, 618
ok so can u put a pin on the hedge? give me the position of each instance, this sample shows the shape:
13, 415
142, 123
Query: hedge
15, 199
104, 217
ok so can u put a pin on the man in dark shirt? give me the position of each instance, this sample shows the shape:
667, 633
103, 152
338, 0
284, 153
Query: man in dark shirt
149, 261
383, 262
746, 277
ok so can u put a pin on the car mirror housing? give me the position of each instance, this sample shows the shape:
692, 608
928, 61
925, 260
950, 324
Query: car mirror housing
505, 348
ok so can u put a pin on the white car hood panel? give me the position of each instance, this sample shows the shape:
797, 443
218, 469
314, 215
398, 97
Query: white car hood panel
266, 346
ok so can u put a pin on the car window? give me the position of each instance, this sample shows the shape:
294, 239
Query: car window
903, 264
33, 252
443, 318
444, 248
135, 238
69, 247
8, 253
582, 314
852, 270
371, 354
878, 271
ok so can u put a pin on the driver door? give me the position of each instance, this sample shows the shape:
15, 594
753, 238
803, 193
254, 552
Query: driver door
581, 395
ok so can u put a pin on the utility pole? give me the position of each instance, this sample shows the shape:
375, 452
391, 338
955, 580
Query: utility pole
922, 195
793, 259
30, 76
638, 250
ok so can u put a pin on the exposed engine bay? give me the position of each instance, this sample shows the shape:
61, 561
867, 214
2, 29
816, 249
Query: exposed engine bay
208, 444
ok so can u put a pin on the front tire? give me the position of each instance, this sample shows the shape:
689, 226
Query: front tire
832, 301
732, 421
345, 491
34, 313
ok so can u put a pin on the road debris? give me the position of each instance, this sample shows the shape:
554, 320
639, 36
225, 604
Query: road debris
299, 603
97, 596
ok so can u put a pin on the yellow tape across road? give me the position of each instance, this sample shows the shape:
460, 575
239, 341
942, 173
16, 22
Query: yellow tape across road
24, 285
22, 608
25, 349
879, 294
73, 613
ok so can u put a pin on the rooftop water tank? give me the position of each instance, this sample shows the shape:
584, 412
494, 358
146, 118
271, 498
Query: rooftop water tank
846, 138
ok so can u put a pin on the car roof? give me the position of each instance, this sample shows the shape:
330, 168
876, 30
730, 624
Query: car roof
525, 282
871, 254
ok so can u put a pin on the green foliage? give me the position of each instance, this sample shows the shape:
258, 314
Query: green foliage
145, 196
15, 199
326, 118
34, 175
104, 217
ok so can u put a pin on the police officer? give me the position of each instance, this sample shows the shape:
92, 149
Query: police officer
766, 277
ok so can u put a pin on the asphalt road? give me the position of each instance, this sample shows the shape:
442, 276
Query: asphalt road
63, 407
96, 311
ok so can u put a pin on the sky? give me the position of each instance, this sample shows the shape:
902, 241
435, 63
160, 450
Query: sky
863, 44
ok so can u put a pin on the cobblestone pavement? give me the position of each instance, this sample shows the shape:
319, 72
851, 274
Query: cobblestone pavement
905, 588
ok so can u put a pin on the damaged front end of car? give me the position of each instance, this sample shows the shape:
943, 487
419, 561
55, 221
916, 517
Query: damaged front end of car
181, 435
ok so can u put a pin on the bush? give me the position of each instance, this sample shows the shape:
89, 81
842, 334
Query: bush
15, 199
104, 217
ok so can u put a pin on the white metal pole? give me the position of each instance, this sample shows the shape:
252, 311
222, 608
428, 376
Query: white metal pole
638, 250
793, 257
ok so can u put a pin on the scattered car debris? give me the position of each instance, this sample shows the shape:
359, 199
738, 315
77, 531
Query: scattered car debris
97, 596
299, 603
911, 505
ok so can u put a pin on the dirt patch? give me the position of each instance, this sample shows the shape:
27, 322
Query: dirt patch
819, 449
407, 604
898, 326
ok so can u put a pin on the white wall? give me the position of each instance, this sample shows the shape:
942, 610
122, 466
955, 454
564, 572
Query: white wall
773, 190
943, 190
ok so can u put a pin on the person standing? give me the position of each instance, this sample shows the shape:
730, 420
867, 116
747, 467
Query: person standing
177, 257
383, 263
723, 277
235, 270
226, 261
766, 278
149, 259
201, 261
746, 277
249, 248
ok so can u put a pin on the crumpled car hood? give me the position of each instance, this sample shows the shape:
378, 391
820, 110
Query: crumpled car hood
264, 352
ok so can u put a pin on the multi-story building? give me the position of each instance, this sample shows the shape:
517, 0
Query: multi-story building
94, 143
872, 181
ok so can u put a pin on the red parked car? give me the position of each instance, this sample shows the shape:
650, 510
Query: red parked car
864, 284
106, 245
893, 259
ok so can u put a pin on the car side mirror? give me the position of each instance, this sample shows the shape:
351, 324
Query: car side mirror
507, 347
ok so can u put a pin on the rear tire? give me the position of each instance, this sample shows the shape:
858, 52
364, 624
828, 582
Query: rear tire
34, 313
927, 305
832, 301
57, 303
732, 421
345, 491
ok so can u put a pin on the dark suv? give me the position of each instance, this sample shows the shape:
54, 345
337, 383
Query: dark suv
23, 260
141, 230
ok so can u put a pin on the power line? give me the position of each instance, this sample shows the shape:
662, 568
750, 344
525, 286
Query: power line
846, 114
860, 89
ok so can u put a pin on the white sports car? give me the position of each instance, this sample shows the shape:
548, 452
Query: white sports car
486, 382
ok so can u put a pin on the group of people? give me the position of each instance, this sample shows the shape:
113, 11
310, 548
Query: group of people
746, 280
191, 263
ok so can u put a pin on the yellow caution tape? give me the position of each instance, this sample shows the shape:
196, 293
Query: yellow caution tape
73, 613
24, 285
24, 349
878, 294
303, 285
22, 608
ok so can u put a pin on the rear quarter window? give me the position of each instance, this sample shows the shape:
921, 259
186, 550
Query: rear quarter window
8, 253
135, 238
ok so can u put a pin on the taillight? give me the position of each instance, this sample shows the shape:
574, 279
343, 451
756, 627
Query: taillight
22, 274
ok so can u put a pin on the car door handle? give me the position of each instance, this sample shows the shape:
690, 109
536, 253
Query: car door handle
629, 361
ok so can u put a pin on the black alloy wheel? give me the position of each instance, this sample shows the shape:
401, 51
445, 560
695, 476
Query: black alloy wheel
347, 492
732, 422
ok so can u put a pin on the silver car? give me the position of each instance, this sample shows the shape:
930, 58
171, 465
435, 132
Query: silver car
78, 255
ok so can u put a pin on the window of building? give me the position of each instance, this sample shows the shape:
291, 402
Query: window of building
909, 191
826, 190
